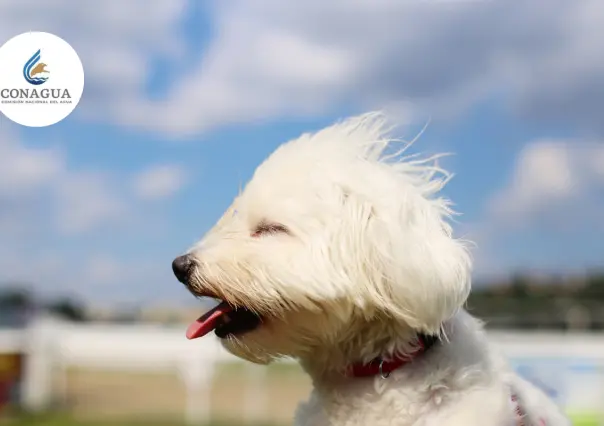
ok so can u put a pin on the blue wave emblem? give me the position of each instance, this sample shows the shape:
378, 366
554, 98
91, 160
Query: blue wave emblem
34, 69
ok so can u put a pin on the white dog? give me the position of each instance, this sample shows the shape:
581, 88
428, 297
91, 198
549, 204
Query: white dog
338, 253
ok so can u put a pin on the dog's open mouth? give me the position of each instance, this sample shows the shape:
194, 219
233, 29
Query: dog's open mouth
225, 320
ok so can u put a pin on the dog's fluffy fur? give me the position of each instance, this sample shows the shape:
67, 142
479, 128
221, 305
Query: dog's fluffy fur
343, 245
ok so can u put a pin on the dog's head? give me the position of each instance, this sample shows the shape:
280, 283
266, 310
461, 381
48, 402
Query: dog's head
333, 245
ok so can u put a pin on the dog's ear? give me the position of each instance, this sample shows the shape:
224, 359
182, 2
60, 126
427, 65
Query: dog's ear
411, 267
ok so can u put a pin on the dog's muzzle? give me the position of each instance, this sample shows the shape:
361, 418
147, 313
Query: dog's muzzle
224, 319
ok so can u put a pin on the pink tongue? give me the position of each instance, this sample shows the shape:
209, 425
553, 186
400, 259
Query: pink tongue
208, 321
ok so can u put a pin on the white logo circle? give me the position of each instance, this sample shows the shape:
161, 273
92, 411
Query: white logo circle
41, 79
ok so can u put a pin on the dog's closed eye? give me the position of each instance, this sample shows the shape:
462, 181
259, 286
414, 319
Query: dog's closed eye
265, 228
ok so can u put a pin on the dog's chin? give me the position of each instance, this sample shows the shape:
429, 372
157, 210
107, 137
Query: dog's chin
243, 347
275, 339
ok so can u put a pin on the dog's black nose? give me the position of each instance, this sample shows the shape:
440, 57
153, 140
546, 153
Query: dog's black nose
182, 267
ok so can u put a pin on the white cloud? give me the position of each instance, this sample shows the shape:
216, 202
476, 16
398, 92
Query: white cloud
102, 269
116, 41
135, 280
25, 169
85, 201
70, 232
159, 181
549, 213
271, 60
549, 178
268, 60
94, 277
36, 185
24, 176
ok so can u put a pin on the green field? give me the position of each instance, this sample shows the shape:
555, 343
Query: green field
58, 420
587, 419
578, 419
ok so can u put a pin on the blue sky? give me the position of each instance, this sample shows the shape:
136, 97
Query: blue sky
182, 103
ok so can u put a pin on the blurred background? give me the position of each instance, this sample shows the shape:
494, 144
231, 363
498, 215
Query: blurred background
183, 99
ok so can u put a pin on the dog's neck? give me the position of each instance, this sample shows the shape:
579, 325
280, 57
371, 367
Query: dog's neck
371, 343
383, 366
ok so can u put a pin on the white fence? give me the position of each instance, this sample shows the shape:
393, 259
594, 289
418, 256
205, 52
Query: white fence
569, 366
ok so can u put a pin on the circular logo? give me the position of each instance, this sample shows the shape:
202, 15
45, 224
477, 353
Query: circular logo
41, 79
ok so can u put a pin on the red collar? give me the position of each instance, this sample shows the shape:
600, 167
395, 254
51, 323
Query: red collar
383, 368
